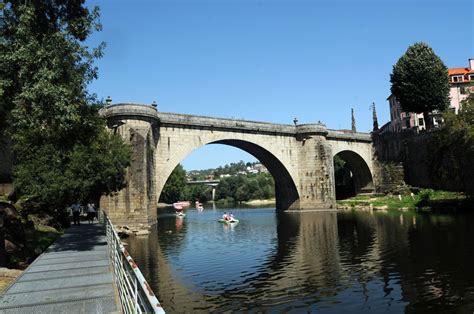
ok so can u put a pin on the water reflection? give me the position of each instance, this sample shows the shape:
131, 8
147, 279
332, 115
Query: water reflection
325, 262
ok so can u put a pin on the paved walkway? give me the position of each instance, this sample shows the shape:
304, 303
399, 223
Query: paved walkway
73, 276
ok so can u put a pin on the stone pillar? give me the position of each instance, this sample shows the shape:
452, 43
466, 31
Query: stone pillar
136, 204
316, 169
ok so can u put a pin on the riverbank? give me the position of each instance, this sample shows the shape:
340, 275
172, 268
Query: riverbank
251, 203
425, 200
7, 276
260, 202
25, 238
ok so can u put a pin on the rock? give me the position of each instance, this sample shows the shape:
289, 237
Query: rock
123, 235
143, 232
11, 247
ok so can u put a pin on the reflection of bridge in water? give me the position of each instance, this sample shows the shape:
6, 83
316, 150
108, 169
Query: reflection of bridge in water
376, 261
307, 244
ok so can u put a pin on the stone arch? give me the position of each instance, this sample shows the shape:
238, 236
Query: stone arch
361, 174
286, 192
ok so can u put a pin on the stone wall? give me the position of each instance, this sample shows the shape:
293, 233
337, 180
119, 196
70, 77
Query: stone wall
412, 150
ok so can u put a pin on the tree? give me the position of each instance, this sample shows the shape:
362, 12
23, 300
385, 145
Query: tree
420, 81
452, 150
242, 193
62, 150
174, 189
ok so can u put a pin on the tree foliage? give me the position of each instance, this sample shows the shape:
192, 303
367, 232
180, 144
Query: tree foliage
420, 81
453, 150
238, 187
62, 150
174, 189
245, 187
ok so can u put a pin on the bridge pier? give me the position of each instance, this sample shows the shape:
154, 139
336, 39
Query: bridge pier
315, 168
136, 204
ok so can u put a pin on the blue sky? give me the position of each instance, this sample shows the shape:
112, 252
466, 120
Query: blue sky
268, 60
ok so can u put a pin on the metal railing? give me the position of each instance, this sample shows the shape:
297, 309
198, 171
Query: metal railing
135, 294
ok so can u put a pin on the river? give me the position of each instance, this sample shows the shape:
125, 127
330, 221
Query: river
354, 262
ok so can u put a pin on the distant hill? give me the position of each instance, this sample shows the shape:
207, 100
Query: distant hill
232, 169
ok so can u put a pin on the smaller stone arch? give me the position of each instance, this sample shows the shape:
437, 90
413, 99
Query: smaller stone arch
360, 171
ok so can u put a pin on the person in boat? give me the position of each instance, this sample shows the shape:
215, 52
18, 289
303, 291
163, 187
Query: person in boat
231, 216
225, 216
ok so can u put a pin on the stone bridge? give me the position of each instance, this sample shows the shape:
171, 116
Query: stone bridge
299, 157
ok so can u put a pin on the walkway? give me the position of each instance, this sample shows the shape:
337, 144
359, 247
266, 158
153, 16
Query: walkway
73, 276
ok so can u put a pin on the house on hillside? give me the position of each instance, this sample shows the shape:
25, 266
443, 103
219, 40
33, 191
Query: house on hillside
461, 81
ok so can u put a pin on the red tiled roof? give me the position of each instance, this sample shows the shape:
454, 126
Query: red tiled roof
462, 71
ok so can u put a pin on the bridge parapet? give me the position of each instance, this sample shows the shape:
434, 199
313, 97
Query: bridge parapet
129, 110
168, 119
311, 129
345, 136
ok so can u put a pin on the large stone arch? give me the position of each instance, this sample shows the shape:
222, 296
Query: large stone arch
286, 192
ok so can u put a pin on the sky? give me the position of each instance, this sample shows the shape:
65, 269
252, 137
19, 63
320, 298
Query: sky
269, 60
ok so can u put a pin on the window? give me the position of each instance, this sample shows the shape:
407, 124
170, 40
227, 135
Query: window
421, 121
462, 90
471, 77
457, 78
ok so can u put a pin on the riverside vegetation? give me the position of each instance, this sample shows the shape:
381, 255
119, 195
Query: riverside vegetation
425, 200
236, 186
63, 152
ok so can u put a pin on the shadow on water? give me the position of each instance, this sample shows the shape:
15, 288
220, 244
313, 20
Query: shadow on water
324, 262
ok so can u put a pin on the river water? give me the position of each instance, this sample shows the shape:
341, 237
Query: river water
353, 262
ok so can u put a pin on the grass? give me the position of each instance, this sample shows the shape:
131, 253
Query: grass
426, 200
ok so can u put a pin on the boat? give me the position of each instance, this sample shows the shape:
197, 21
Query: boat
230, 221
182, 204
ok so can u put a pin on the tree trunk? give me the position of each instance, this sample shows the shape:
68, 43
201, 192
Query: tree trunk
3, 253
428, 122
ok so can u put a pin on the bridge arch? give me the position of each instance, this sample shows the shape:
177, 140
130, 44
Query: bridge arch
356, 150
286, 192
359, 171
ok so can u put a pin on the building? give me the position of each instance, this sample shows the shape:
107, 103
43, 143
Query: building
461, 81
400, 120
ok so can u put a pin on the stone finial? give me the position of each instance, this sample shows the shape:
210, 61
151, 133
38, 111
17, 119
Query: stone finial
354, 129
374, 117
